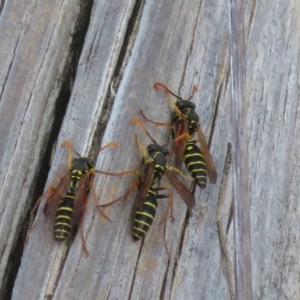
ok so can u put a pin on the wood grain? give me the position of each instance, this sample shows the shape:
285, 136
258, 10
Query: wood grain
34, 42
180, 43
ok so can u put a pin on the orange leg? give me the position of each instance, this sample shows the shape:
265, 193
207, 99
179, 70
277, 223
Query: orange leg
124, 197
83, 240
179, 172
153, 122
81, 223
99, 209
165, 216
116, 173
181, 136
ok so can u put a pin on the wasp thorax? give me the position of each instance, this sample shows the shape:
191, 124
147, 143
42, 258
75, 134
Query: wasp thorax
182, 104
156, 148
83, 164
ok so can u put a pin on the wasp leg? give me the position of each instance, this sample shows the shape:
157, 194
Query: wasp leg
141, 124
116, 173
180, 173
181, 136
153, 122
99, 209
124, 197
165, 216
84, 241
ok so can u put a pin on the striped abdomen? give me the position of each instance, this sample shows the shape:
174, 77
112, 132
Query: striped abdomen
195, 163
143, 219
62, 226
63, 219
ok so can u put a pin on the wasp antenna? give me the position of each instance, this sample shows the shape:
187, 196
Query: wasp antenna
69, 145
142, 148
111, 144
195, 89
158, 85
137, 121
153, 122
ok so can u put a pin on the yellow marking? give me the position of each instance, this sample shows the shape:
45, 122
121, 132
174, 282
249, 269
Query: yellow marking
142, 222
75, 172
69, 196
64, 224
136, 235
201, 177
139, 229
193, 155
189, 148
151, 192
150, 204
156, 153
62, 217
159, 167
65, 208
62, 231
198, 170
144, 214
195, 164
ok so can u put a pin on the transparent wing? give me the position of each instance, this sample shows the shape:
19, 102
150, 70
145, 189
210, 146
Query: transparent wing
211, 169
186, 195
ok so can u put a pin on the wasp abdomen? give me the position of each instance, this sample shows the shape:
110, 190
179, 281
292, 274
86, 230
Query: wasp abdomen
62, 226
195, 163
143, 219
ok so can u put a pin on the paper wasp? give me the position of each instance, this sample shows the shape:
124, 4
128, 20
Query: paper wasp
185, 123
68, 195
155, 166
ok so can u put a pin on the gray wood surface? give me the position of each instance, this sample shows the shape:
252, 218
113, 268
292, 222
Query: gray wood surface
179, 43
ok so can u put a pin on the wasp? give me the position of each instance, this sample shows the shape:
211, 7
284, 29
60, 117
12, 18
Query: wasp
69, 195
155, 166
145, 214
185, 123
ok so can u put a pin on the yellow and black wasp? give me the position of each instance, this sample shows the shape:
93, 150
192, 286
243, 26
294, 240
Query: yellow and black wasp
155, 166
69, 195
185, 123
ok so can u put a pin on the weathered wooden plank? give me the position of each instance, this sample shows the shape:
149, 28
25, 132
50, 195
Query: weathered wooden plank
182, 44
273, 81
34, 52
117, 268
42, 257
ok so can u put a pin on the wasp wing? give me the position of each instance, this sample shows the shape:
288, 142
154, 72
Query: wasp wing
145, 184
81, 198
57, 194
186, 195
211, 169
181, 128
